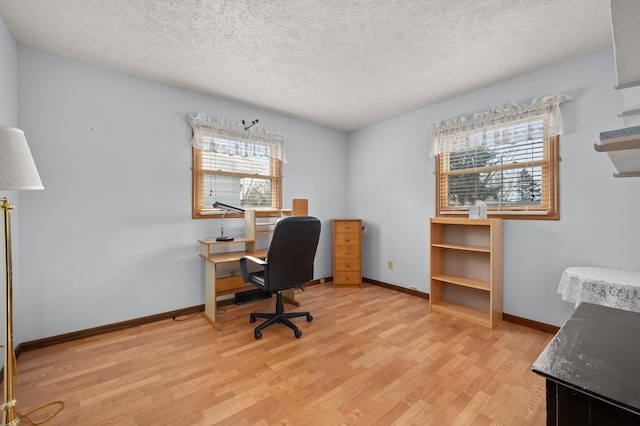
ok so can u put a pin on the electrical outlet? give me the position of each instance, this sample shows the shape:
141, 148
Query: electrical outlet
321, 280
390, 264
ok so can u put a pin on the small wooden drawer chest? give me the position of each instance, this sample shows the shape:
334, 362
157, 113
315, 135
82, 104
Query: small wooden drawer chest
347, 253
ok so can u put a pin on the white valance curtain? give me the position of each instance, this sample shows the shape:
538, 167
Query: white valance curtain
500, 125
254, 141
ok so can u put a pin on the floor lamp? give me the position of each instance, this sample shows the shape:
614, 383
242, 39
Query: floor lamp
17, 172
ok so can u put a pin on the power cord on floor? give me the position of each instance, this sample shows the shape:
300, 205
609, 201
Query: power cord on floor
36, 423
187, 318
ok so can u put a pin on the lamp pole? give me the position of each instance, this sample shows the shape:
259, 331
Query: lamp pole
9, 417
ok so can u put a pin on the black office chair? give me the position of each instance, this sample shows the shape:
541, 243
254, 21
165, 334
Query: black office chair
289, 264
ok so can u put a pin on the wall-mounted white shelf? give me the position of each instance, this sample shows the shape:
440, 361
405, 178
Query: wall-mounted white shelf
623, 148
623, 145
626, 41
629, 112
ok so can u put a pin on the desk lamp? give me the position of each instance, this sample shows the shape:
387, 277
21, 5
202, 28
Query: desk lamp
17, 171
226, 208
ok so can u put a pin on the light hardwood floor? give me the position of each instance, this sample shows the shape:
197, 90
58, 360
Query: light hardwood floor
371, 356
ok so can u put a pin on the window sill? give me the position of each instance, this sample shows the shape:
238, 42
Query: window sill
211, 214
509, 214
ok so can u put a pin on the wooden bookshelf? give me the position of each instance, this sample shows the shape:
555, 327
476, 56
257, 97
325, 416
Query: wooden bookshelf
466, 269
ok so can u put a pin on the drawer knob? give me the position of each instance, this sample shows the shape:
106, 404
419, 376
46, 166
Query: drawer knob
347, 251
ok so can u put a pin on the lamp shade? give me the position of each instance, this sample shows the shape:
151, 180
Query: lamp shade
17, 168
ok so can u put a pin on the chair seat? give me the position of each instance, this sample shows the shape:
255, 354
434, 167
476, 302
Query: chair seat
257, 278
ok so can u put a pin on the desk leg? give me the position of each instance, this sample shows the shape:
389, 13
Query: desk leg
210, 303
289, 296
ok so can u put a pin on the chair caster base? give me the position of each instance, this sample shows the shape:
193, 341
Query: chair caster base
279, 316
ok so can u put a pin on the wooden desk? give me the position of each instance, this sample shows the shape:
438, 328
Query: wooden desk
592, 367
215, 286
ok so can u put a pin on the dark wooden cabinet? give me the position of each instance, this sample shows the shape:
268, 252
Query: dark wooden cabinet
592, 367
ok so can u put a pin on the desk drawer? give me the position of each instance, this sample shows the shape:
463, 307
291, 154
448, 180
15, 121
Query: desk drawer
346, 264
347, 226
347, 278
230, 285
346, 239
349, 252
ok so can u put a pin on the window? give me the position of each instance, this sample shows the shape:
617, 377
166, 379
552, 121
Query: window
506, 158
239, 170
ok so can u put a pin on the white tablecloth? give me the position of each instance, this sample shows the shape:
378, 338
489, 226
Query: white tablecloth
616, 288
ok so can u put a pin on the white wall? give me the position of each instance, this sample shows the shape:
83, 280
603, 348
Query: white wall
598, 223
111, 238
8, 78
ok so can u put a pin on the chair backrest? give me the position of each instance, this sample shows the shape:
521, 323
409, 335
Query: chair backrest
292, 252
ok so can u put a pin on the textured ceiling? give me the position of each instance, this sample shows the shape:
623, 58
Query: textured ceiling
343, 64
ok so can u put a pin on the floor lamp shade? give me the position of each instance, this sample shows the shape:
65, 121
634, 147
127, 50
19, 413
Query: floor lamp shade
17, 168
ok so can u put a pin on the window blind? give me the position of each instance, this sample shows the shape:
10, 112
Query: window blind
246, 180
506, 176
